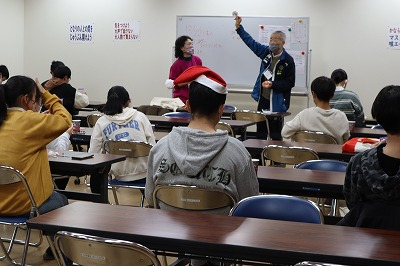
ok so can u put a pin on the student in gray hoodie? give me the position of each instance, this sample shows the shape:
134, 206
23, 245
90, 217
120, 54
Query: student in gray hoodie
199, 154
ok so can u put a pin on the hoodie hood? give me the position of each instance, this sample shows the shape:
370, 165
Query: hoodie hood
193, 149
122, 118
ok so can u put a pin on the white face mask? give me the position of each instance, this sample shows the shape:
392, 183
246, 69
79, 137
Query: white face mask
190, 50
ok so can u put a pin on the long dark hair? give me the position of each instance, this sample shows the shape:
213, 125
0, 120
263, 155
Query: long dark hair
117, 98
15, 87
179, 43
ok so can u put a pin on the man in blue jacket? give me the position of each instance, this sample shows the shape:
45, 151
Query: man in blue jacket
275, 80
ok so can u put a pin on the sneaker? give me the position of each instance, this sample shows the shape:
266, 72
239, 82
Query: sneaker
48, 255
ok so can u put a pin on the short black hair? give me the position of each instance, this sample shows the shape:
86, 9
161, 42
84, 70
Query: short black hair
117, 98
4, 71
338, 75
324, 88
204, 101
179, 43
55, 64
386, 109
62, 72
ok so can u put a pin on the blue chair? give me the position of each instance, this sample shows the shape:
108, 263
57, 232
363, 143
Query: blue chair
377, 127
229, 108
278, 207
325, 165
185, 115
10, 176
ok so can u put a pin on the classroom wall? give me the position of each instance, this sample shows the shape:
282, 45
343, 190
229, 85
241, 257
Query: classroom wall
12, 35
346, 34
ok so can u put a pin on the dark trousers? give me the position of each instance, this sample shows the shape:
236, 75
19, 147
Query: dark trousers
275, 123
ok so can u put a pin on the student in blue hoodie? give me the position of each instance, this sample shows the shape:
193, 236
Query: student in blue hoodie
275, 80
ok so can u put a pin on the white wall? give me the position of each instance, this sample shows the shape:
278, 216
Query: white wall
12, 35
346, 34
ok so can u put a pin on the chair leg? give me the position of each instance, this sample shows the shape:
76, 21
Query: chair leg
334, 208
28, 234
114, 190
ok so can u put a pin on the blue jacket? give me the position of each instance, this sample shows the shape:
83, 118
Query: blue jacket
284, 73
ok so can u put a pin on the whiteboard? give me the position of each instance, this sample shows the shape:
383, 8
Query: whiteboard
221, 49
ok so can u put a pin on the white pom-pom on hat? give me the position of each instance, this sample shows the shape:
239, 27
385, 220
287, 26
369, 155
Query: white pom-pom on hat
169, 83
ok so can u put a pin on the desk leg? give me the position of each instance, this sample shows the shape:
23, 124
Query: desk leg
99, 183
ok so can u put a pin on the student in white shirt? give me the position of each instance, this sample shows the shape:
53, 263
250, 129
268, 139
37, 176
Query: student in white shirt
321, 117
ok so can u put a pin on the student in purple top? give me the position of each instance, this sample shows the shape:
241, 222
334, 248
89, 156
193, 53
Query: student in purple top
184, 52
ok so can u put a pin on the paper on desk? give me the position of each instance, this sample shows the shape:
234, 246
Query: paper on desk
268, 112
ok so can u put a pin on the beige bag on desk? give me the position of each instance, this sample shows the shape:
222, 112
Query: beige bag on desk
170, 103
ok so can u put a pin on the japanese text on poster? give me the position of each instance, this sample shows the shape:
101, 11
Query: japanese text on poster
81, 32
393, 37
126, 31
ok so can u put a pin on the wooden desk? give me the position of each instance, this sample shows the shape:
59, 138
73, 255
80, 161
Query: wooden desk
225, 236
301, 182
324, 151
366, 132
98, 167
238, 126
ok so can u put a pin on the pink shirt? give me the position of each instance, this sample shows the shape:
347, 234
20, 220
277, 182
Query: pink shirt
176, 69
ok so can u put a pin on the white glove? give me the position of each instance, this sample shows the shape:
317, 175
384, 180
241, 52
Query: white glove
169, 83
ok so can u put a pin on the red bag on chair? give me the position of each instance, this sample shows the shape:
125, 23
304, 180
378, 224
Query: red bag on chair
359, 144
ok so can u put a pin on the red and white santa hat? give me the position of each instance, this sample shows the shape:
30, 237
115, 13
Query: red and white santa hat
202, 75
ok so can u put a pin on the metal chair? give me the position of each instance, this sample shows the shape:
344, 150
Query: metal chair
229, 108
131, 149
225, 126
287, 155
92, 250
185, 115
313, 137
326, 165
249, 115
192, 198
10, 177
92, 119
278, 207
313, 263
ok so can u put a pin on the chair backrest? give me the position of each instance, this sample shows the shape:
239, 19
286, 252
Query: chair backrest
229, 108
185, 115
129, 148
324, 165
92, 250
248, 115
225, 126
377, 127
287, 155
10, 175
314, 137
278, 207
153, 110
313, 263
92, 119
192, 198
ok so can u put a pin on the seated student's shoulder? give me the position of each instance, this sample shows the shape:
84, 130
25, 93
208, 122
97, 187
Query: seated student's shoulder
236, 146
